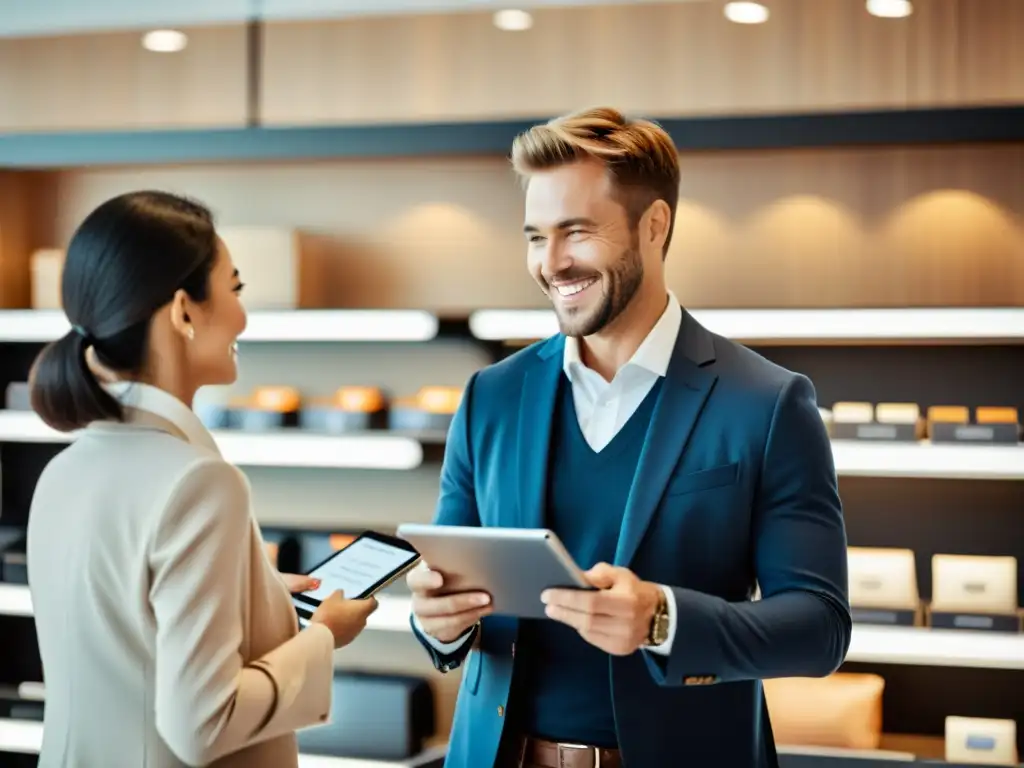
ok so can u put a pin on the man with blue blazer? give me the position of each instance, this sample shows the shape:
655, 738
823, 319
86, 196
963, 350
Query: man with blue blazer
682, 470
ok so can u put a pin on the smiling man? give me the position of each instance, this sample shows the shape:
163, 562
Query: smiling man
681, 469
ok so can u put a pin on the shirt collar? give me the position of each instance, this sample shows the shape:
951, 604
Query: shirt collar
149, 406
653, 354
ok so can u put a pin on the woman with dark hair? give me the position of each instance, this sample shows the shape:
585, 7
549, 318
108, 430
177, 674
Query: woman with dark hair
167, 637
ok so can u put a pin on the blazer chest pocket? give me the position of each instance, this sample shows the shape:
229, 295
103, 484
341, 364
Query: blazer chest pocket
704, 479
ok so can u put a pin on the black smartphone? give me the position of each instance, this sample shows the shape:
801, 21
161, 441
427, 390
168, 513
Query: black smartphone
360, 569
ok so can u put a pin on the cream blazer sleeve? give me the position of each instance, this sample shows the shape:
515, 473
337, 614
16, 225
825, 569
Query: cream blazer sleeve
208, 702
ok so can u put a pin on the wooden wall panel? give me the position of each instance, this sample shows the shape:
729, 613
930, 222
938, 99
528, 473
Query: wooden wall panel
108, 81
928, 226
15, 238
671, 60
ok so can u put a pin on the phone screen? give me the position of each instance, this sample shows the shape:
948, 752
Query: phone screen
358, 570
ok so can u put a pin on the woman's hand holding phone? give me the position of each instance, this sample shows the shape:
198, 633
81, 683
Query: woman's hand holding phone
345, 618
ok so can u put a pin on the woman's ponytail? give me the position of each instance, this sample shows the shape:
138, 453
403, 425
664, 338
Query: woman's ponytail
65, 392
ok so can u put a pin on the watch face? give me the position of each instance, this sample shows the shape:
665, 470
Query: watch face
661, 630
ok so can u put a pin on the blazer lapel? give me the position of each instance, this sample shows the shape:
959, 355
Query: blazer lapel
536, 414
683, 394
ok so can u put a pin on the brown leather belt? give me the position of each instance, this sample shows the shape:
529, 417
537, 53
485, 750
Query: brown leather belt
538, 753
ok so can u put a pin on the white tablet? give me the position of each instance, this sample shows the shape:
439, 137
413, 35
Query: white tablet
513, 565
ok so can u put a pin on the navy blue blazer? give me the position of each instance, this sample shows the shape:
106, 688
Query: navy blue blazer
735, 488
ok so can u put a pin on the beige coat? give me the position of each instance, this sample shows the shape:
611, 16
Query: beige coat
167, 636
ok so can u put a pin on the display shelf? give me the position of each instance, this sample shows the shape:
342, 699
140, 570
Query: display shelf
306, 325
283, 448
795, 326
293, 448
936, 647
392, 614
878, 645
828, 754
26, 737
15, 600
965, 462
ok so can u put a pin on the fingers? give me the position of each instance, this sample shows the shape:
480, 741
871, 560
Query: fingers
447, 628
367, 606
297, 583
600, 602
449, 605
590, 625
423, 580
603, 576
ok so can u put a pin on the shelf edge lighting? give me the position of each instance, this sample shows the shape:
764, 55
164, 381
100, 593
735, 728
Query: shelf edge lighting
26, 737
793, 324
311, 325
392, 614
263, 449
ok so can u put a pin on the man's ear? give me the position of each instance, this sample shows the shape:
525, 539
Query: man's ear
180, 321
655, 225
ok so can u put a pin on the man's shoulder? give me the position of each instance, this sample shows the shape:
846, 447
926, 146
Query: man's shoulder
511, 371
745, 372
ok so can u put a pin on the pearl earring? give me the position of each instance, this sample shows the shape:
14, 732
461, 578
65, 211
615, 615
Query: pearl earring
191, 333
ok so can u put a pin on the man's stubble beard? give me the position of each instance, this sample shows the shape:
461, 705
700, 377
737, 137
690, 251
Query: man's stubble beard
624, 281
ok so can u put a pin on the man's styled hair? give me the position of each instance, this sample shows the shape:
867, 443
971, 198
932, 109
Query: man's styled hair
640, 156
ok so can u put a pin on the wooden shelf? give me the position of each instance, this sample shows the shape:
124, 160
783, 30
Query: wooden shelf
799, 326
295, 448
26, 737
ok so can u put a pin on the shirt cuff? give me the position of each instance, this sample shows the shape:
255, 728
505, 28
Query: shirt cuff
437, 645
670, 601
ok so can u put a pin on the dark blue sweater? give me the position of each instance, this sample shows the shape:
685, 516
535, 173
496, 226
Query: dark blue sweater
561, 685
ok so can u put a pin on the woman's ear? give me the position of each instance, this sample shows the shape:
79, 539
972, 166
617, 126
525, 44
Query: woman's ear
180, 321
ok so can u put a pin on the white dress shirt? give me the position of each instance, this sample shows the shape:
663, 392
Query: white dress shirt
603, 408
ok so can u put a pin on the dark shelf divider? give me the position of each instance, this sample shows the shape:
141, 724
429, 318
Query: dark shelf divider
254, 143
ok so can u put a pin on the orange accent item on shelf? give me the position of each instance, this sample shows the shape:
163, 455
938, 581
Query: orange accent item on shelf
843, 710
280, 399
341, 540
949, 414
439, 399
359, 399
996, 415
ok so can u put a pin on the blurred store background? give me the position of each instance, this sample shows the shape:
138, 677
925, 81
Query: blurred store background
852, 203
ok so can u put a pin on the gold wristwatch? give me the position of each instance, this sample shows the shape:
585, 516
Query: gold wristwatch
658, 633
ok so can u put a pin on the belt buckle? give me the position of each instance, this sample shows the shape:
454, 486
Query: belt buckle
576, 748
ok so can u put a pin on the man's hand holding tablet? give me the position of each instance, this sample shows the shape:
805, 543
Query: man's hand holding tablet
469, 572
445, 617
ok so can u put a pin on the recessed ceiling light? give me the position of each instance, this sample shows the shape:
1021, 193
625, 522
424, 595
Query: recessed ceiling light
746, 13
513, 21
164, 41
890, 9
